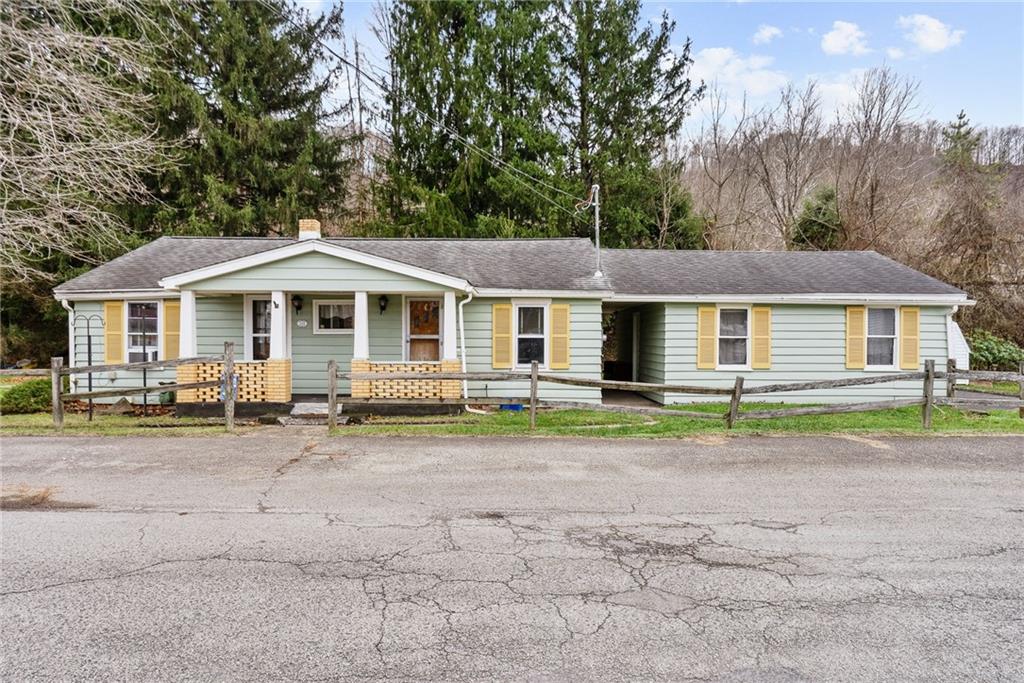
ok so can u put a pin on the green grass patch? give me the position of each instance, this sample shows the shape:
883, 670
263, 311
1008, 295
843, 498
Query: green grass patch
584, 423
1001, 388
41, 424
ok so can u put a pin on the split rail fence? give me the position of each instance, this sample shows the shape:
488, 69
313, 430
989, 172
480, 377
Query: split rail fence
228, 387
927, 401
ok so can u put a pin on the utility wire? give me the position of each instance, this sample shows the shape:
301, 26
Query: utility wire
455, 134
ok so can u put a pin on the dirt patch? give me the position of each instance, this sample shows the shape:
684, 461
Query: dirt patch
37, 498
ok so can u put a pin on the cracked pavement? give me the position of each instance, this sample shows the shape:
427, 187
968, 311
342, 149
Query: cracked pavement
287, 555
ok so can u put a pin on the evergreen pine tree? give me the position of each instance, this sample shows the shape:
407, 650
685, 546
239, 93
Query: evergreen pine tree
623, 90
244, 93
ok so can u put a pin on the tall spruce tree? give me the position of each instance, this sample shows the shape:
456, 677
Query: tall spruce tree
244, 93
623, 90
568, 92
471, 83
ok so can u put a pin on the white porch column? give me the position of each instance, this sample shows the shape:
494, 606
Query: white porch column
448, 334
361, 331
187, 345
278, 326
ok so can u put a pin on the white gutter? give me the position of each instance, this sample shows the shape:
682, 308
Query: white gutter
823, 298
462, 349
71, 338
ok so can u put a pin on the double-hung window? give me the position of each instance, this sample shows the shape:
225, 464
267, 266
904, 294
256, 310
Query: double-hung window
733, 337
531, 334
143, 331
881, 338
334, 317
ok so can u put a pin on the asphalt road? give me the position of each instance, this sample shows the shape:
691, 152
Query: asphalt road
283, 555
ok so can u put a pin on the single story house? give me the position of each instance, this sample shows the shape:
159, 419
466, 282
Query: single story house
694, 317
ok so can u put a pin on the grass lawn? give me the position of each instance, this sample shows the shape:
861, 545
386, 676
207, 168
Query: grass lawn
41, 424
600, 424
1003, 388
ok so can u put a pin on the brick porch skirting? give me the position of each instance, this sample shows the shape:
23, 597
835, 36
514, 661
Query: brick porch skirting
407, 388
258, 381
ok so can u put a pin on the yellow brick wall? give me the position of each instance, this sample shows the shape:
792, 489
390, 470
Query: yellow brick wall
258, 381
406, 388
279, 381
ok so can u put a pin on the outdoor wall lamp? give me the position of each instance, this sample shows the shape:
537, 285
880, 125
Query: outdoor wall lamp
297, 303
382, 301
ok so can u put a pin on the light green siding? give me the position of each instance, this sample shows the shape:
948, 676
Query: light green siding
310, 352
584, 349
219, 319
314, 272
652, 348
808, 343
107, 380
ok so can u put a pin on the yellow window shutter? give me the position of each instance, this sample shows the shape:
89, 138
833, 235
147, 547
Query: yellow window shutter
910, 337
113, 332
559, 337
706, 333
172, 329
761, 337
501, 336
856, 337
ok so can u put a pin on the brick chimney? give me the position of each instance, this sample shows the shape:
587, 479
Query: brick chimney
309, 229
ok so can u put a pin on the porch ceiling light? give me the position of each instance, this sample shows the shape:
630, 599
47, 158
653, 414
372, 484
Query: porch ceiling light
382, 301
297, 302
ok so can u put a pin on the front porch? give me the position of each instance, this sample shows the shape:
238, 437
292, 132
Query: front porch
284, 340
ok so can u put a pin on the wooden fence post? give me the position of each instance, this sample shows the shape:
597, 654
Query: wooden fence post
951, 378
332, 394
734, 403
229, 385
929, 394
55, 389
1020, 385
534, 370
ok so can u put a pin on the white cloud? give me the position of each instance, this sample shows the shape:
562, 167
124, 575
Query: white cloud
766, 34
737, 74
929, 34
837, 90
894, 53
845, 38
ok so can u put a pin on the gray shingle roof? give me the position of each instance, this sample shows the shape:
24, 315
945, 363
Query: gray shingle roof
665, 272
550, 264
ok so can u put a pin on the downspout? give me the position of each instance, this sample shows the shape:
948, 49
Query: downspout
71, 339
462, 351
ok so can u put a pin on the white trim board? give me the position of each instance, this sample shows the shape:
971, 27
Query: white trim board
823, 298
306, 247
117, 294
484, 292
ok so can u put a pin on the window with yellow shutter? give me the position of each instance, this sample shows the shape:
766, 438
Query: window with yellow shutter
531, 327
881, 339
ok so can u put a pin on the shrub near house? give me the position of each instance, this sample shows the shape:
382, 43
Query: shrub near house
32, 396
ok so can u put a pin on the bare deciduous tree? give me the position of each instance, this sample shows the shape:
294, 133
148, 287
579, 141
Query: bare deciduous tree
789, 152
720, 175
73, 135
881, 162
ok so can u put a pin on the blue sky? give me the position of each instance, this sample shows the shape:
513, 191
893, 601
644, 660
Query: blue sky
964, 55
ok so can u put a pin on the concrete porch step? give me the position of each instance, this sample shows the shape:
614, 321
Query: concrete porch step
311, 410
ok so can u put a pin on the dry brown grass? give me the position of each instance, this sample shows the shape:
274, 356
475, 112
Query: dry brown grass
24, 497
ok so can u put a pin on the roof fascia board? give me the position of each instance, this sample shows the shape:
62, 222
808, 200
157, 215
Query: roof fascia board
823, 298
97, 294
305, 247
546, 293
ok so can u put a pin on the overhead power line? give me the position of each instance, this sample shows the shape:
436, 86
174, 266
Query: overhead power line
383, 87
